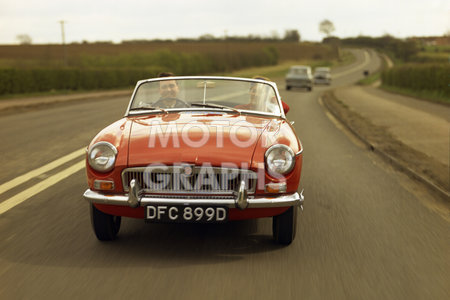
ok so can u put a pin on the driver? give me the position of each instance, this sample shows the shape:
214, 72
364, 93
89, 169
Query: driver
168, 89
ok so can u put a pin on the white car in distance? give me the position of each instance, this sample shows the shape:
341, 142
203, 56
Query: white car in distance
322, 75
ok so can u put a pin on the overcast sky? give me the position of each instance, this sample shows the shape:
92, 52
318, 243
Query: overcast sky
109, 20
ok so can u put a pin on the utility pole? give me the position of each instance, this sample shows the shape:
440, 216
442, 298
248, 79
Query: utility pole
63, 35
227, 47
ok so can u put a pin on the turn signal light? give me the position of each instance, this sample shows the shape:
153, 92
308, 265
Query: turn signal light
275, 187
104, 185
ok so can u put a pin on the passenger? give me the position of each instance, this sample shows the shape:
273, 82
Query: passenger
254, 96
255, 104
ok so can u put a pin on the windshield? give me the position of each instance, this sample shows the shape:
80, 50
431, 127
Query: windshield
298, 71
322, 70
214, 94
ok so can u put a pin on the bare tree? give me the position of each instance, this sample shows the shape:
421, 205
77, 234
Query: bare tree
326, 27
24, 39
274, 35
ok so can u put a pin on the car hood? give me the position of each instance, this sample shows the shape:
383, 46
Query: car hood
195, 137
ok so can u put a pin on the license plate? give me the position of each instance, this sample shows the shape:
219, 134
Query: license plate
186, 214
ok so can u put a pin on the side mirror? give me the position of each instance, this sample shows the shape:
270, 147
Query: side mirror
285, 107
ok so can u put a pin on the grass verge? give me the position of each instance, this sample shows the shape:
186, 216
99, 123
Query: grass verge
369, 80
433, 96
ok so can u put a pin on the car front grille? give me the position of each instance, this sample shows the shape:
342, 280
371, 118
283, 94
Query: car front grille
188, 179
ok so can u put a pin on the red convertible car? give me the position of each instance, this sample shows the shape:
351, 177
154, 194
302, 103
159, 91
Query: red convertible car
197, 149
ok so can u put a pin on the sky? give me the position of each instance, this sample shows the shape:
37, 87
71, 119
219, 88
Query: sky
108, 20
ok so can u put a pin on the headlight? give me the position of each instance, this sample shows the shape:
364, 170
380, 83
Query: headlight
280, 159
102, 156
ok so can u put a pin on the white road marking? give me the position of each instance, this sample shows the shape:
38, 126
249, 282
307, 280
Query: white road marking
41, 170
39, 187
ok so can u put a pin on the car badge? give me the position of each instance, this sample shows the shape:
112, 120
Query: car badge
188, 170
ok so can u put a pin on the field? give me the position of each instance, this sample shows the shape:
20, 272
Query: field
73, 54
75, 67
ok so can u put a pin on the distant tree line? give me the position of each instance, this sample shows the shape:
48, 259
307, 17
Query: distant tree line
401, 49
290, 35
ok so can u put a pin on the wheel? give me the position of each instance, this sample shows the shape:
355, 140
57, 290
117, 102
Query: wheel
284, 226
105, 226
288, 87
309, 88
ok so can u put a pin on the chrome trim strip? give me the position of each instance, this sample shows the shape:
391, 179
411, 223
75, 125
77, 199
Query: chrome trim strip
299, 152
253, 202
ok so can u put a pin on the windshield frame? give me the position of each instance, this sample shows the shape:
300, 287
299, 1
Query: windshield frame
130, 113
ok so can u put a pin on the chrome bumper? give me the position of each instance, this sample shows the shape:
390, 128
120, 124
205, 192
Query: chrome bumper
241, 201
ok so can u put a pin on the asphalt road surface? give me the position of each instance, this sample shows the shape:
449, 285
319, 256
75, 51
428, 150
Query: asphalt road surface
366, 231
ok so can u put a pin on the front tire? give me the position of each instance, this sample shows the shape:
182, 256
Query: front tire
105, 226
284, 226
288, 87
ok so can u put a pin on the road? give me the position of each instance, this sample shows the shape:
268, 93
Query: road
366, 231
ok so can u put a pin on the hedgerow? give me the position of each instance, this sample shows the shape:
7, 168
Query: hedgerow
419, 77
124, 70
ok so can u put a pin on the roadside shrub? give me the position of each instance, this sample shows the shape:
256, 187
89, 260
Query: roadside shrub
13, 81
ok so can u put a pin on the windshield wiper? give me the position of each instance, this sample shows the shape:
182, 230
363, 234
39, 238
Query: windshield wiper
149, 107
215, 106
